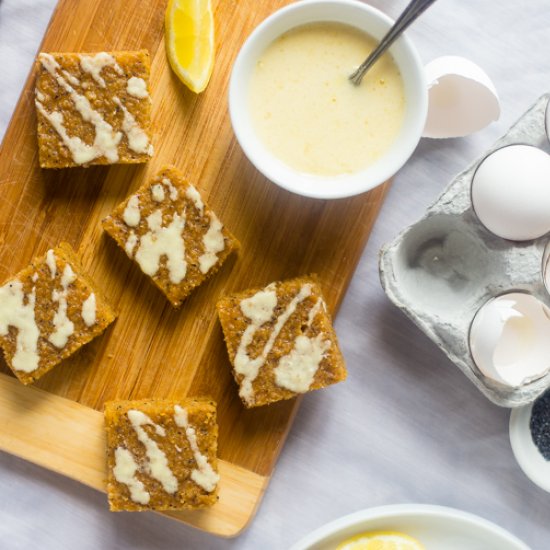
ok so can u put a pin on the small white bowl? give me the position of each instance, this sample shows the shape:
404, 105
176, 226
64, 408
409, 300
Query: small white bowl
533, 464
434, 526
374, 23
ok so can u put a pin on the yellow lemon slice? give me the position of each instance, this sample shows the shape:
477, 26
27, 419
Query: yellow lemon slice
189, 33
381, 540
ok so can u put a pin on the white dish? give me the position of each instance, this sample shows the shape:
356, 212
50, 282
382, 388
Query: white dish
436, 527
371, 21
536, 468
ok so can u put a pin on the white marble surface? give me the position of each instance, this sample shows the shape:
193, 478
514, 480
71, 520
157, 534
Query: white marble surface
407, 426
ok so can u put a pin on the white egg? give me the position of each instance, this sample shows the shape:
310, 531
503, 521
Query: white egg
462, 98
546, 267
511, 192
509, 339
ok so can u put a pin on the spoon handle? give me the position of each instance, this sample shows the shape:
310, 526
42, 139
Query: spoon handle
411, 12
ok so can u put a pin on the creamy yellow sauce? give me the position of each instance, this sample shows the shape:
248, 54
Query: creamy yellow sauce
310, 116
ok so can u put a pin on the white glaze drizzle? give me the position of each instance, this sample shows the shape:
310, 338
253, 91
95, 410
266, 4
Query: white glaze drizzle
138, 140
80, 151
131, 244
16, 313
137, 87
132, 213
163, 241
125, 472
296, 371
157, 463
213, 242
94, 64
193, 195
64, 327
204, 475
173, 191
39, 95
34, 277
157, 192
50, 261
106, 140
313, 312
89, 309
259, 309
71, 78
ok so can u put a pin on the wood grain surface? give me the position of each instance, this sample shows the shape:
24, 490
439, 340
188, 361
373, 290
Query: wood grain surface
153, 350
62, 436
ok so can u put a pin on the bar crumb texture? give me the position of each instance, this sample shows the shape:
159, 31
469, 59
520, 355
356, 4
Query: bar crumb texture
280, 341
169, 231
161, 454
47, 312
93, 108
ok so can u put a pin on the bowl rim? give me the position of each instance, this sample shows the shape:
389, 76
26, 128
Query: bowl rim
326, 187
356, 520
526, 453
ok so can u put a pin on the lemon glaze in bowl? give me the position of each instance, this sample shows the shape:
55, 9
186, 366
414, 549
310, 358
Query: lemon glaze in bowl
371, 22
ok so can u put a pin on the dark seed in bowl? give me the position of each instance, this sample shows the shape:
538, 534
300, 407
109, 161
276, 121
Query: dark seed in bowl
540, 424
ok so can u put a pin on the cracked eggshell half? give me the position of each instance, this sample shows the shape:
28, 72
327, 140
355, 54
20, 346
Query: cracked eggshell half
509, 339
462, 98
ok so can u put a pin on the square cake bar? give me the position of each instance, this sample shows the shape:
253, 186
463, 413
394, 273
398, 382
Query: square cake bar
280, 341
161, 454
168, 230
47, 312
93, 108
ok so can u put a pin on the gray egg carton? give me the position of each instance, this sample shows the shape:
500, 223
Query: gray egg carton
442, 269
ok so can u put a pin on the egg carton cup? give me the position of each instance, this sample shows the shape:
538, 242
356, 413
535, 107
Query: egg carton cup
443, 268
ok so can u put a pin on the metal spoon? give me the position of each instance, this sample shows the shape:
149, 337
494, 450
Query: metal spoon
411, 12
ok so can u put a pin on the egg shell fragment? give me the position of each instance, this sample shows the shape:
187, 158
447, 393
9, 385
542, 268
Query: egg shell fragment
462, 98
509, 339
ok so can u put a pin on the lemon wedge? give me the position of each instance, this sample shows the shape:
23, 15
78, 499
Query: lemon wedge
381, 540
189, 34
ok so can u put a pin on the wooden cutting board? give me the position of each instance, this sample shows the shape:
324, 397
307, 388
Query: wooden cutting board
153, 350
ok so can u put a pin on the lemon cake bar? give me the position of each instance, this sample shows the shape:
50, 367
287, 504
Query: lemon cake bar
93, 108
171, 233
47, 312
161, 454
280, 341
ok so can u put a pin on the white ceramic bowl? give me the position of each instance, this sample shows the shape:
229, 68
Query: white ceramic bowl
535, 467
436, 527
371, 21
